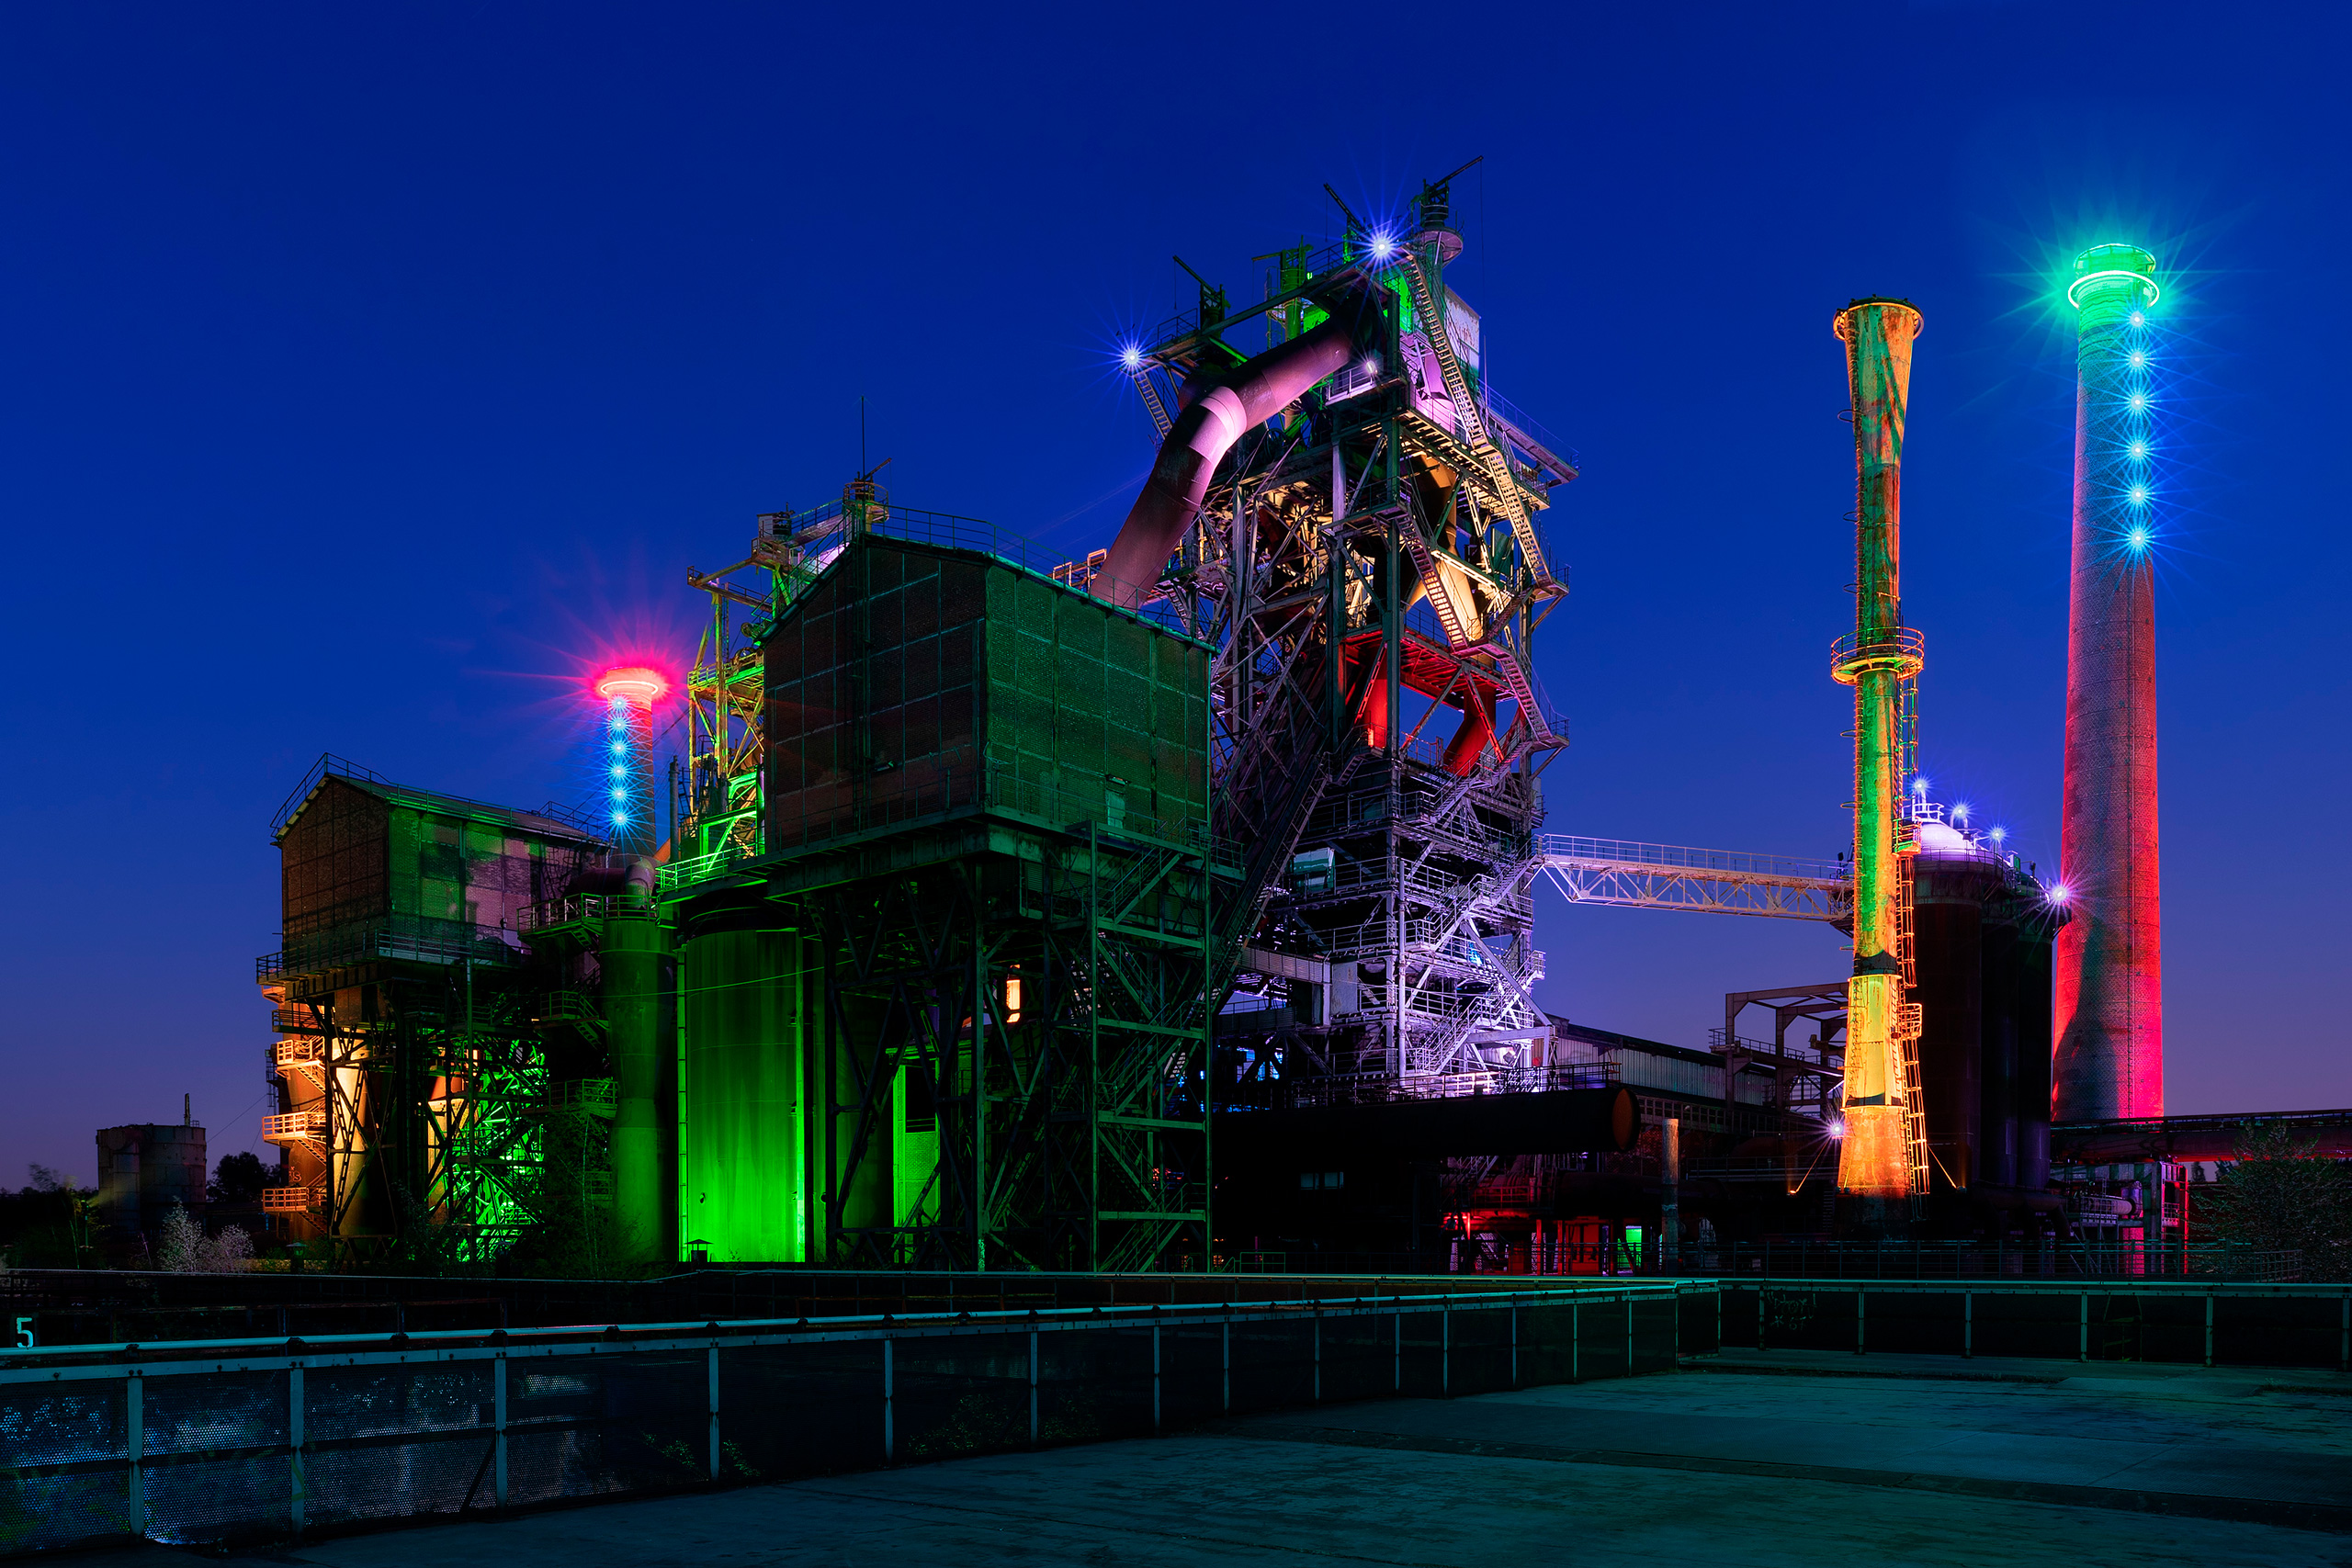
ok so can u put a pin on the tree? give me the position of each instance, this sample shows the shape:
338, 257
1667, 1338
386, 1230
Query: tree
177, 1242
239, 1179
2280, 1194
182, 1248
49, 1224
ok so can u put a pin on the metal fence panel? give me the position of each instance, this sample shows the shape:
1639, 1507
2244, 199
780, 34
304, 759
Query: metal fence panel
236, 1442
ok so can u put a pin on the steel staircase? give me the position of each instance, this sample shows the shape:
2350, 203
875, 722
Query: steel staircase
1469, 425
1159, 420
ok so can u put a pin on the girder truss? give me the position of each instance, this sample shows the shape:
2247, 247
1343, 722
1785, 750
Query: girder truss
1673, 876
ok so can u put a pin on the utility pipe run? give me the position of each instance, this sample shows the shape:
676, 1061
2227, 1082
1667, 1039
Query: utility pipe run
1218, 416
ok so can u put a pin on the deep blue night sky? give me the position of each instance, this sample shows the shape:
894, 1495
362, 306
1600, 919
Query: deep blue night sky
364, 372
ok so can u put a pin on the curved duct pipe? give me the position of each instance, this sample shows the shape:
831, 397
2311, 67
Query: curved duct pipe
1475, 733
1216, 418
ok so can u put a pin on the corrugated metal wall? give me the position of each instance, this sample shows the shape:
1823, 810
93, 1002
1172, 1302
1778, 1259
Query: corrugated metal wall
332, 859
912, 680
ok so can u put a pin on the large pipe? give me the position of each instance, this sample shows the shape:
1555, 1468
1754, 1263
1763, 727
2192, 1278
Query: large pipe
1874, 1160
1218, 416
2110, 1037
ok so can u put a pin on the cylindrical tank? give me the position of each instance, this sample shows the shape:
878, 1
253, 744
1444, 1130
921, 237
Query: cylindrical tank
1996, 1075
744, 1165
1951, 880
631, 960
2034, 999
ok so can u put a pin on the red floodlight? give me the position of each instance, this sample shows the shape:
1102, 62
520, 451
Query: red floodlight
637, 685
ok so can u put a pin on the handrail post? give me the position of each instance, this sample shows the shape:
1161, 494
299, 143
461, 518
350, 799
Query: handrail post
1444, 1346
294, 1511
498, 1426
2083, 1337
135, 1449
889, 1436
1968, 1325
1033, 1380
2209, 1326
714, 1410
1861, 1315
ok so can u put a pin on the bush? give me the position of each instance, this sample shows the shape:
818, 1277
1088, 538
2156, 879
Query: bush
182, 1248
2280, 1194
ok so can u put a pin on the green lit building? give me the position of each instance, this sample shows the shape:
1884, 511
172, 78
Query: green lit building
928, 988
952, 1010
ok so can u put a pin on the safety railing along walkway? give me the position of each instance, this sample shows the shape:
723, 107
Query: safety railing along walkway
2176, 1321
255, 1440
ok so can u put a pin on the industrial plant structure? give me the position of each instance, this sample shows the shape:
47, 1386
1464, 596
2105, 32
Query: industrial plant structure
1884, 1155
1015, 910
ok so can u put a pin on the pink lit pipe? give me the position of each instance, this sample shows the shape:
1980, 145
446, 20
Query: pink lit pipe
1214, 419
2107, 1023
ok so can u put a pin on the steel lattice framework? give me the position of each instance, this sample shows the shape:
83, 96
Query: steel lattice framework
1671, 876
1370, 568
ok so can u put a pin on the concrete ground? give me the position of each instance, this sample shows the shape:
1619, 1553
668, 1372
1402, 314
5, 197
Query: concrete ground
1758, 1459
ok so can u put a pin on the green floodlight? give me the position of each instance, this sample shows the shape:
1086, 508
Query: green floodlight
2118, 267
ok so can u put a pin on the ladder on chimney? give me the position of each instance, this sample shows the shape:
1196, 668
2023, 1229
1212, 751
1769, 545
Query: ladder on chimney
1909, 1023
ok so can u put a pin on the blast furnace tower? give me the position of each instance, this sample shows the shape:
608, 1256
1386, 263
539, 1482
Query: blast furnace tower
2108, 1025
1352, 517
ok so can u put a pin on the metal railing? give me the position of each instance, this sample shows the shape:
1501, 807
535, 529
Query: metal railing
294, 1126
592, 1097
1997, 1258
237, 1440
577, 908
1905, 652
2177, 1322
702, 868
417, 938
1529, 436
1680, 857
1383, 1087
